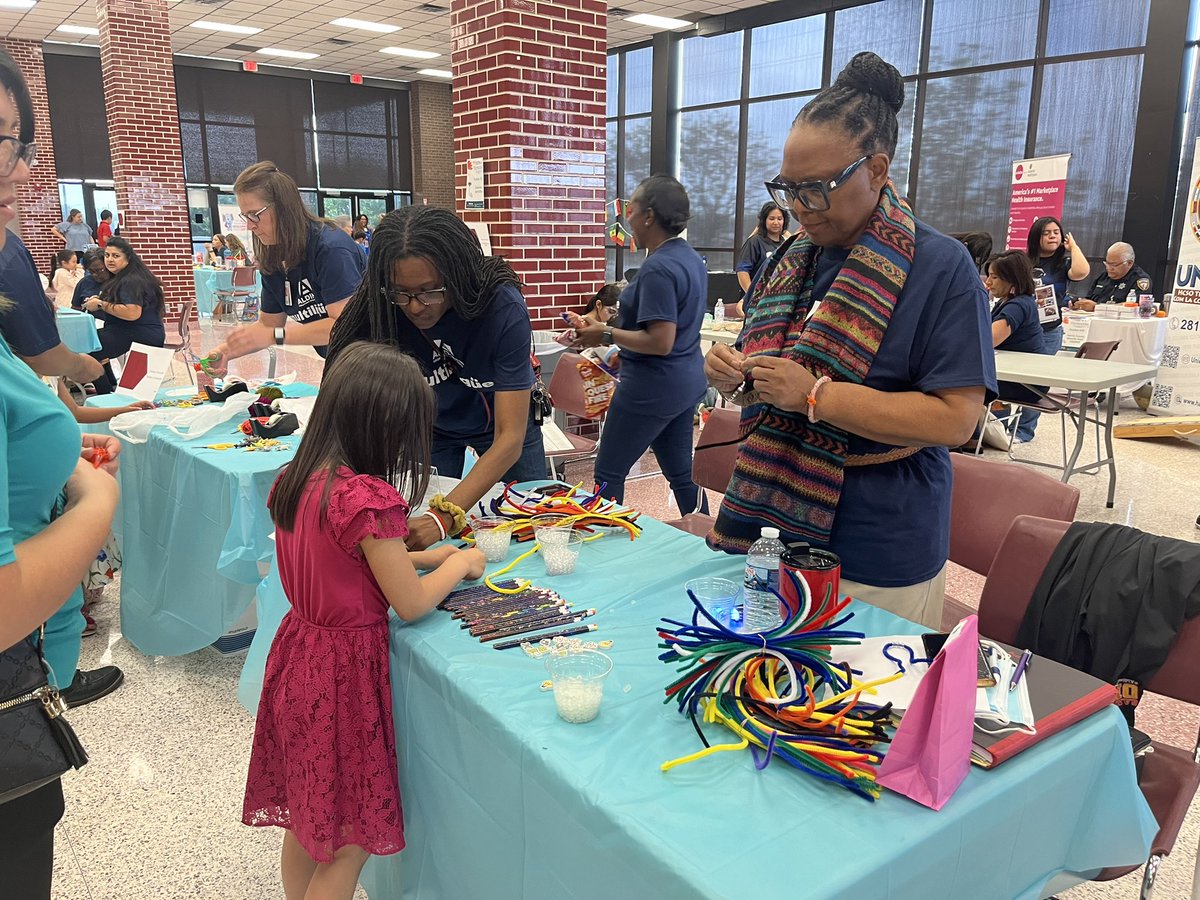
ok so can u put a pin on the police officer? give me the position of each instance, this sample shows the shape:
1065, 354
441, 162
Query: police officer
1120, 277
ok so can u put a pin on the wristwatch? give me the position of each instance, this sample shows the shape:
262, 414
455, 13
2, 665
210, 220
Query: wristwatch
607, 340
279, 336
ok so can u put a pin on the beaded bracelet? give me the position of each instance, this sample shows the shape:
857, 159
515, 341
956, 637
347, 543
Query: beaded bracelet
458, 518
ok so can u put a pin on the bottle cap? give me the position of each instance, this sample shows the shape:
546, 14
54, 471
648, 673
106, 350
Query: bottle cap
770, 532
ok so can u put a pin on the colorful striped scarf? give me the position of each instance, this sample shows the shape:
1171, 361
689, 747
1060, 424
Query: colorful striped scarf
789, 470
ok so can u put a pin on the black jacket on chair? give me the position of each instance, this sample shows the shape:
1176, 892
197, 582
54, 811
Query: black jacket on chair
1111, 601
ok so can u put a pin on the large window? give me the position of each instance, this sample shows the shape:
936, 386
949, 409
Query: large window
627, 152
986, 83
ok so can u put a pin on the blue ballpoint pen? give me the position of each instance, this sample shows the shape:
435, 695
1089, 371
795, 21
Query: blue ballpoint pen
1022, 664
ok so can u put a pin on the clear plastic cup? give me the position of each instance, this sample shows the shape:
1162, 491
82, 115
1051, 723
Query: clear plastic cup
717, 595
492, 537
551, 529
562, 551
578, 679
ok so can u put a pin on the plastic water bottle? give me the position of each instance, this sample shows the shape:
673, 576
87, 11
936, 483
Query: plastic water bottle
1131, 298
719, 312
760, 606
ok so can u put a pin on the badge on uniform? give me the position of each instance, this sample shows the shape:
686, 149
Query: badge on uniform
1143, 285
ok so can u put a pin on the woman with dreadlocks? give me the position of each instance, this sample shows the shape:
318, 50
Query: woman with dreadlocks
310, 267
430, 290
850, 405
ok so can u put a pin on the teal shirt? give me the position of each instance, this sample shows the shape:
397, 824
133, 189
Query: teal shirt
39, 446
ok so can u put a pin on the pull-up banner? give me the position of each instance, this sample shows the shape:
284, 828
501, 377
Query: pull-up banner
1038, 188
1177, 384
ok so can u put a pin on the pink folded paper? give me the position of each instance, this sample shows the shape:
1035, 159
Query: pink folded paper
931, 752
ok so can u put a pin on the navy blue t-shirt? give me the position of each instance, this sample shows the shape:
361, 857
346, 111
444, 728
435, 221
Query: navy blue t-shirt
892, 526
1021, 314
29, 327
466, 362
1059, 277
87, 287
670, 286
330, 271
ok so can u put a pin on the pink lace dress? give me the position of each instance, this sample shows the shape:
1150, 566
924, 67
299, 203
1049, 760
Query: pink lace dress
323, 762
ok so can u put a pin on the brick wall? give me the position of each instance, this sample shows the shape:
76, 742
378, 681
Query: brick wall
143, 121
38, 201
432, 143
529, 84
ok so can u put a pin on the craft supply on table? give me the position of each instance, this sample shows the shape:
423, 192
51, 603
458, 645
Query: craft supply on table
719, 596
779, 691
566, 632
492, 536
562, 552
578, 678
491, 615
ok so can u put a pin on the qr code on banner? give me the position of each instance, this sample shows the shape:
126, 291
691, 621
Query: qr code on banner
1170, 357
1162, 396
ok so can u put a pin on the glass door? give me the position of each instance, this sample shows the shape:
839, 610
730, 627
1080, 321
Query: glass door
332, 207
372, 208
105, 198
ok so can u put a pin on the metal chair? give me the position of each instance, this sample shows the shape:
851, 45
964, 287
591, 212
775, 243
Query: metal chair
712, 466
986, 497
1170, 777
243, 287
1064, 403
182, 343
566, 395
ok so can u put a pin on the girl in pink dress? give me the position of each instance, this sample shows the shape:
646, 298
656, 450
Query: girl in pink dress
323, 765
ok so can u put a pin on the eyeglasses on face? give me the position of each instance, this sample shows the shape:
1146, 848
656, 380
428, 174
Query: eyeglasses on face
812, 195
12, 151
433, 297
255, 217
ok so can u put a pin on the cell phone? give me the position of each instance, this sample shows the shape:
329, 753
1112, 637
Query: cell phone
933, 643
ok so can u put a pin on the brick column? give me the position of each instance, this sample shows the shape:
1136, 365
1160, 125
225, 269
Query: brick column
432, 143
147, 157
529, 83
39, 206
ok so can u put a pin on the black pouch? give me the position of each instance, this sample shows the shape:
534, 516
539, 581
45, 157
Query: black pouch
37, 745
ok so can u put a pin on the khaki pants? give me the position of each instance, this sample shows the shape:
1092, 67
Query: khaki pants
921, 603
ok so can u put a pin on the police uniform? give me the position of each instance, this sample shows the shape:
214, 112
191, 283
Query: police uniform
1106, 290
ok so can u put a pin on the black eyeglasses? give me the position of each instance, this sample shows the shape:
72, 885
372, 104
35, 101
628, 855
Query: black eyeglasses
433, 297
812, 195
254, 217
12, 151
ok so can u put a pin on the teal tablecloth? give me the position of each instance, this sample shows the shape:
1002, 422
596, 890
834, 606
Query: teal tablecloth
78, 330
208, 281
194, 529
503, 799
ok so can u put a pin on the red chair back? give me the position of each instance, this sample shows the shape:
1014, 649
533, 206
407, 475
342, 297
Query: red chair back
243, 276
1096, 349
1015, 572
988, 495
566, 386
713, 467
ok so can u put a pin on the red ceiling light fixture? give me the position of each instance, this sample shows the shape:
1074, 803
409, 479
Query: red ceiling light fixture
355, 78
249, 65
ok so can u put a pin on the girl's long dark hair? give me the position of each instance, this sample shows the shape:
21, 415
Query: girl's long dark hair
135, 280
439, 236
374, 415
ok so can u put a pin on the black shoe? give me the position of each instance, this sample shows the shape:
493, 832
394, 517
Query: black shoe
88, 686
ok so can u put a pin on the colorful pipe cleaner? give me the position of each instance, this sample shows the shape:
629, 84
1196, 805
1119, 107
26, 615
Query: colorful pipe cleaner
780, 691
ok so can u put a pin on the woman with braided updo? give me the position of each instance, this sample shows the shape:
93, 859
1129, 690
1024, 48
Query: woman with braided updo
865, 354
430, 290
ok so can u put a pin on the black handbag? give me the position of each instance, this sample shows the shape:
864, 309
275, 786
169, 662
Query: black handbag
37, 745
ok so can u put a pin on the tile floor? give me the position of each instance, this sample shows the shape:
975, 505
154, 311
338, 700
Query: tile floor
156, 812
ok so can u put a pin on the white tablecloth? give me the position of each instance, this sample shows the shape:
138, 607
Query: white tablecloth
1141, 340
